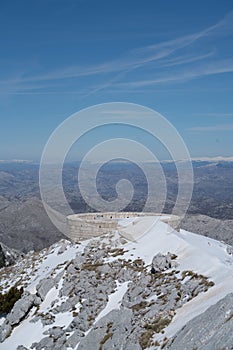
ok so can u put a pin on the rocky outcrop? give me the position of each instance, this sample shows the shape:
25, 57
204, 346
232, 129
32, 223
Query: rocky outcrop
162, 262
147, 306
111, 332
211, 330
18, 313
83, 288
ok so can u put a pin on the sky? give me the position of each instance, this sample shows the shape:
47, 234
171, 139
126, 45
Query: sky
58, 57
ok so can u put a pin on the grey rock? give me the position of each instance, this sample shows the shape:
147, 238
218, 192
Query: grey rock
55, 332
230, 250
162, 262
74, 339
58, 277
211, 330
111, 331
79, 322
67, 286
78, 261
35, 319
62, 248
192, 288
44, 287
132, 347
59, 344
125, 275
21, 308
45, 343
153, 310
65, 306
5, 331
47, 320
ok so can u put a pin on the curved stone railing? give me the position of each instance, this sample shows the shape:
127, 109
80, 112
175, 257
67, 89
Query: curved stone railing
85, 226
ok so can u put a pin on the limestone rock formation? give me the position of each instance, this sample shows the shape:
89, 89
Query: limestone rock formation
102, 294
208, 331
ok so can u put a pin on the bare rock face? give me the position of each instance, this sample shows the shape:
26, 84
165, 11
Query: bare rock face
208, 331
108, 331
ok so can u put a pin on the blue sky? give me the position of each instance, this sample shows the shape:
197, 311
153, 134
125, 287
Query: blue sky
58, 57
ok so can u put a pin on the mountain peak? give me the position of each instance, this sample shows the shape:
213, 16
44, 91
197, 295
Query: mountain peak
108, 292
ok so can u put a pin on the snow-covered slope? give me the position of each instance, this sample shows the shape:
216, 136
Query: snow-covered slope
102, 294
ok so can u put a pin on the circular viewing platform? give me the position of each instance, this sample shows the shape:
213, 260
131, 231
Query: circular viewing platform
86, 226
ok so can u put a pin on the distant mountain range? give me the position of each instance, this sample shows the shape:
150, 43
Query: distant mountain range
24, 224
222, 230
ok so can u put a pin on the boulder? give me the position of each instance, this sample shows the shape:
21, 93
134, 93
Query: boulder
44, 287
21, 308
19, 311
162, 262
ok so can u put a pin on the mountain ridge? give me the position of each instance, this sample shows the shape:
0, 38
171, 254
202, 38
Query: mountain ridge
75, 295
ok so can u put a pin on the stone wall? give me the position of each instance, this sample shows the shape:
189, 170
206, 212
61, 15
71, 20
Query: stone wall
86, 226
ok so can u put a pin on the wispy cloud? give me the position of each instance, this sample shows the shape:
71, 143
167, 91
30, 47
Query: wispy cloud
221, 127
216, 115
188, 59
224, 66
132, 60
176, 60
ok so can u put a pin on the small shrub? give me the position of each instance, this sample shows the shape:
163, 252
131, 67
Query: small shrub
158, 325
173, 256
8, 299
229, 317
105, 338
145, 339
141, 305
165, 341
